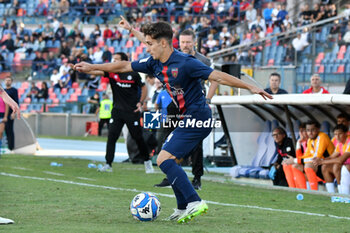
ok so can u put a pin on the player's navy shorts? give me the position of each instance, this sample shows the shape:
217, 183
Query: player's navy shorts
183, 140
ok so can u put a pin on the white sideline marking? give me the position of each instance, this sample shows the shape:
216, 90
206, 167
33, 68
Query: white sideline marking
22, 168
172, 196
53, 173
84, 178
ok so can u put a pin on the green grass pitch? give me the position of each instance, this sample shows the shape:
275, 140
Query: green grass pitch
41, 198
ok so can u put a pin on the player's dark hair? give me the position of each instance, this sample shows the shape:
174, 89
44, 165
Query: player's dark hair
159, 30
341, 127
280, 130
302, 125
276, 74
123, 56
315, 123
343, 115
188, 32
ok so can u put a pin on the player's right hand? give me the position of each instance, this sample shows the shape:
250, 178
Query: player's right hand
124, 24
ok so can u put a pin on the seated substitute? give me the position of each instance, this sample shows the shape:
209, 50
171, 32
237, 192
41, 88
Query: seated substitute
284, 146
332, 169
318, 145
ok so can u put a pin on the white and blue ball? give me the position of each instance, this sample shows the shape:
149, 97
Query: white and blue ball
145, 207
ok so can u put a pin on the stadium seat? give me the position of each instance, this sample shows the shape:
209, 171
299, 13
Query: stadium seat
102, 87
101, 43
64, 91
75, 85
325, 127
129, 44
340, 56
342, 49
341, 69
320, 69
27, 100
56, 101
271, 62
111, 49
269, 30
319, 58
78, 91
73, 98
83, 98
23, 107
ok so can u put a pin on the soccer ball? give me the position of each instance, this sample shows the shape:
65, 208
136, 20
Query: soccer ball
145, 207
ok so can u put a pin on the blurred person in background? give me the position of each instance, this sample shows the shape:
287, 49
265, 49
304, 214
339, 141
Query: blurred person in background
13, 93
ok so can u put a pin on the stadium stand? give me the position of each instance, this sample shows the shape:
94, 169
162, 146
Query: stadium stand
21, 41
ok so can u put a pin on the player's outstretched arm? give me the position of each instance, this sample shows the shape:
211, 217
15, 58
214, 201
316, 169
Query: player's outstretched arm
339, 160
126, 25
229, 80
115, 67
212, 88
10, 102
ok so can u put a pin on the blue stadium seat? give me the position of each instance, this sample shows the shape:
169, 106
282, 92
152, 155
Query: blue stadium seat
258, 58
2, 10
57, 44
49, 44
326, 128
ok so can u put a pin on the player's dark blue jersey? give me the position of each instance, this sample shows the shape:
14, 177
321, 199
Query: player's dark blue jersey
181, 76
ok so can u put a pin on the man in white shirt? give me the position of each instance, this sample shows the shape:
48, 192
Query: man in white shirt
97, 56
258, 22
250, 15
299, 43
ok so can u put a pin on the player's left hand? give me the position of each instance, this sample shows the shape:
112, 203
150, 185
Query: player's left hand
316, 161
83, 67
264, 94
138, 107
288, 161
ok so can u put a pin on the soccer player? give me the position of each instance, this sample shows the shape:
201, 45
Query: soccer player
181, 74
331, 167
187, 45
14, 106
342, 119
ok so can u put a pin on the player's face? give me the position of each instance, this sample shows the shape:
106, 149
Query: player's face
340, 135
154, 47
8, 82
343, 121
315, 81
117, 57
187, 44
312, 131
274, 82
278, 136
302, 134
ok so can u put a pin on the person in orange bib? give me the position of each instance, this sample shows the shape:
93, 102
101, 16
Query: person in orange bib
331, 166
318, 145
342, 119
294, 171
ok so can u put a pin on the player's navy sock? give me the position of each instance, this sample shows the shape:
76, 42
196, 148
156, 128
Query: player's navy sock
178, 178
181, 201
